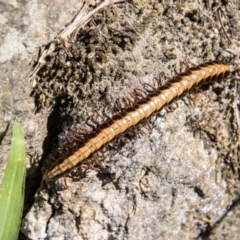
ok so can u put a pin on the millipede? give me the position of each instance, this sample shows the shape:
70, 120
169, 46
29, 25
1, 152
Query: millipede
140, 110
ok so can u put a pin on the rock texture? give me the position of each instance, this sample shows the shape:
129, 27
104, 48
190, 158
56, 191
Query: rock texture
179, 180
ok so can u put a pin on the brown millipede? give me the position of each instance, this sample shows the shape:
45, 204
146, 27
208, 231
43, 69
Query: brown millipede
142, 109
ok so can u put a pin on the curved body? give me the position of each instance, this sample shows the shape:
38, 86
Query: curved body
142, 109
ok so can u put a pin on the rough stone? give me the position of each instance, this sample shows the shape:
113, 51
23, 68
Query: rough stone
178, 181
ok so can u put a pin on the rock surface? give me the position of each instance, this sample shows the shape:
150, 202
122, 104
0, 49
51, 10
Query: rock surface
180, 180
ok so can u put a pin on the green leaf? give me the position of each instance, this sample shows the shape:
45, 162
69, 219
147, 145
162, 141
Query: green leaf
12, 189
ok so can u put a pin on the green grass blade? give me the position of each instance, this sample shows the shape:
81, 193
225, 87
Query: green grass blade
12, 189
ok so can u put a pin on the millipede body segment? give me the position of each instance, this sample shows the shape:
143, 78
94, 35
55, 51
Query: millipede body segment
142, 109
